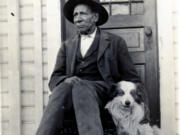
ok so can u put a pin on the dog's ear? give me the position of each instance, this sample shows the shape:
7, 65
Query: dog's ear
141, 93
136, 96
113, 92
139, 98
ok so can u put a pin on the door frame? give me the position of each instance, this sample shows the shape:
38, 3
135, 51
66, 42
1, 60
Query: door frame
167, 88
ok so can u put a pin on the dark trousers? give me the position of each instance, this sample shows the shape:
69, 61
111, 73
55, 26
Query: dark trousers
86, 98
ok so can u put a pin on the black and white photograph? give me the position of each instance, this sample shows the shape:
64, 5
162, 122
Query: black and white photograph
89, 67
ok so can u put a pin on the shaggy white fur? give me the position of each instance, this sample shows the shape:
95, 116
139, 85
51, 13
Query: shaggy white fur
127, 118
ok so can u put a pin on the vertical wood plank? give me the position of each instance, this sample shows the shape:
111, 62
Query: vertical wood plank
178, 78
167, 87
0, 95
38, 61
14, 67
53, 31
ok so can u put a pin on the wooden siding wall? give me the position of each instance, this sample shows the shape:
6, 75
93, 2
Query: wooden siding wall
167, 14
176, 45
25, 65
23, 51
5, 105
27, 49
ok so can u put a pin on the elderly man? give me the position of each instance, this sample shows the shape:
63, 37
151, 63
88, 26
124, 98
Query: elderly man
86, 67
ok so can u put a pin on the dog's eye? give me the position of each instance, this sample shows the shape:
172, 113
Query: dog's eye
133, 92
120, 92
136, 96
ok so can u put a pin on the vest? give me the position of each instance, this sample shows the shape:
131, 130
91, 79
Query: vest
86, 67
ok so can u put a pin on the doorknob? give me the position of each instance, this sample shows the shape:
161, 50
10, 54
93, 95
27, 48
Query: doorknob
148, 31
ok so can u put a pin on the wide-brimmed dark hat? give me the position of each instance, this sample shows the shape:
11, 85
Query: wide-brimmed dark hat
93, 4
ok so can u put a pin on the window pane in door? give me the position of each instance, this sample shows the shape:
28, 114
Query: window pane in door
137, 8
122, 9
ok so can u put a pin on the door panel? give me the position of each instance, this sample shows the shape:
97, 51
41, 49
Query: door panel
134, 37
134, 21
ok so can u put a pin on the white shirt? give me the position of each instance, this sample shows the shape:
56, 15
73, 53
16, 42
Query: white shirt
86, 42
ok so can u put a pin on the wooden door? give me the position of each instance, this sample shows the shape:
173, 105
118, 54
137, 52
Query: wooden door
135, 21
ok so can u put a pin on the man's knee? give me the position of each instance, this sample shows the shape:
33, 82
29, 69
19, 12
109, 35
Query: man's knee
80, 88
61, 92
84, 91
62, 88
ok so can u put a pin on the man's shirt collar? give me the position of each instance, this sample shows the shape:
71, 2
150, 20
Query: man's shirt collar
92, 35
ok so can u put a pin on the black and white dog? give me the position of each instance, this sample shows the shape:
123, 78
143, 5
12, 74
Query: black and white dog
128, 110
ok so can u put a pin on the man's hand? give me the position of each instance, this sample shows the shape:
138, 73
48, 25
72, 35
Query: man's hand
72, 80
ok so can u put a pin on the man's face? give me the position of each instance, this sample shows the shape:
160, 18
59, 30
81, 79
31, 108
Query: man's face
84, 19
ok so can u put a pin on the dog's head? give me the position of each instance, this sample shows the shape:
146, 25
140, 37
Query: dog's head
126, 100
128, 93
128, 103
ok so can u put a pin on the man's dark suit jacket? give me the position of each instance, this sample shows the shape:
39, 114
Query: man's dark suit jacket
114, 62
